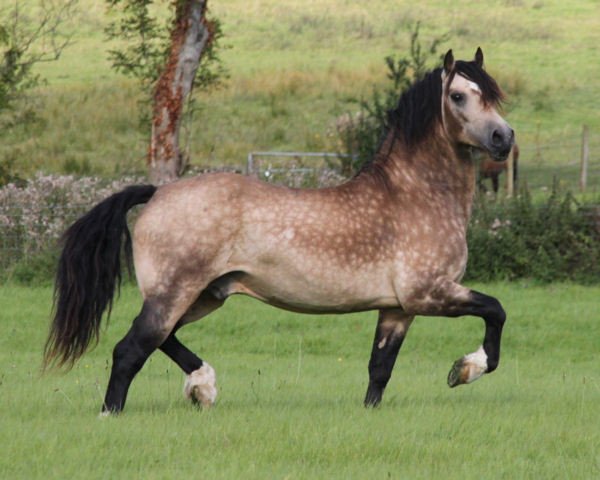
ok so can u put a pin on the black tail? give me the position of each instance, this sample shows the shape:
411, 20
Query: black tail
89, 270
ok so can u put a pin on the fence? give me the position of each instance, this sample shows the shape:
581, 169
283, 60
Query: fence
305, 169
572, 161
540, 166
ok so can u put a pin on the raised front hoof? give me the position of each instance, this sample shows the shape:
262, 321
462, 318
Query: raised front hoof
468, 368
456, 376
200, 386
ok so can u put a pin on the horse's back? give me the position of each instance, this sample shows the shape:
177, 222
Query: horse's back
213, 223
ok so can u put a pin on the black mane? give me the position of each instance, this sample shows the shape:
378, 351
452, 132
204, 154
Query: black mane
419, 108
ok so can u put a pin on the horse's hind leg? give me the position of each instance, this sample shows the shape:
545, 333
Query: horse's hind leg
129, 355
200, 384
392, 327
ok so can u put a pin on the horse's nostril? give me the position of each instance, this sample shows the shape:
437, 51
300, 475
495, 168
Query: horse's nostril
497, 138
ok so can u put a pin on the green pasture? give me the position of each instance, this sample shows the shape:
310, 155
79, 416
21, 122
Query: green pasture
296, 66
291, 388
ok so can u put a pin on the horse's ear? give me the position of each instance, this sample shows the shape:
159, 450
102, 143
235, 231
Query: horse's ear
479, 57
448, 62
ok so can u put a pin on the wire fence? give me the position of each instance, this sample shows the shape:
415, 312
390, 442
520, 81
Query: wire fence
540, 167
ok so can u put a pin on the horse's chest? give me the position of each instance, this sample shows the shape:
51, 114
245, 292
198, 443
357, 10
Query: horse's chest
439, 253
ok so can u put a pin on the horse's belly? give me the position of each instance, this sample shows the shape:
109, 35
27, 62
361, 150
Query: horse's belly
317, 293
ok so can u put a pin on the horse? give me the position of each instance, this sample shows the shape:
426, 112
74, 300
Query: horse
391, 239
490, 168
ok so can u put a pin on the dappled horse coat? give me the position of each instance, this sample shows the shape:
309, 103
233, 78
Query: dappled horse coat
392, 239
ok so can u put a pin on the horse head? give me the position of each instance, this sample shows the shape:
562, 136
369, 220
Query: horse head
470, 102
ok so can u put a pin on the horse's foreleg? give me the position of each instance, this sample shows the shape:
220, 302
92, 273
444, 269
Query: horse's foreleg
485, 360
130, 354
450, 299
391, 330
200, 383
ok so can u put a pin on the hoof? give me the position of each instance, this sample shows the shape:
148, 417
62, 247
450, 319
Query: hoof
468, 369
108, 413
373, 397
200, 386
455, 377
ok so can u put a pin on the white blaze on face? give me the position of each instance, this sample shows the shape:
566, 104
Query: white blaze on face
473, 86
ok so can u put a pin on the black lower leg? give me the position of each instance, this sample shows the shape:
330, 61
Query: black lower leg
380, 368
490, 309
494, 322
180, 354
129, 356
389, 335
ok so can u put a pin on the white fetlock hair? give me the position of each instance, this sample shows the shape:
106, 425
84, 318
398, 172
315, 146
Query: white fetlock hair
476, 365
200, 386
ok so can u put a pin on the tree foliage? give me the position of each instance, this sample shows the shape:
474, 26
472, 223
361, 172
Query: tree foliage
30, 33
360, 134
146, 41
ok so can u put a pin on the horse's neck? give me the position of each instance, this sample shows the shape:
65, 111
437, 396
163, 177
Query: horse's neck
433, 170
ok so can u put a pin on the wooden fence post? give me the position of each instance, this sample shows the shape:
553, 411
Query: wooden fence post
585, 158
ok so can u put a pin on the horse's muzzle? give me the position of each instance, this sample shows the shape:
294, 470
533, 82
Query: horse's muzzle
501, 142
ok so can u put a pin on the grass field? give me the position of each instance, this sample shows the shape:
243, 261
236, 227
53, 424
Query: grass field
296, 66
291, 388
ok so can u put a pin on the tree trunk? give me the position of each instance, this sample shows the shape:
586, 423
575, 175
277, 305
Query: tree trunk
189, 37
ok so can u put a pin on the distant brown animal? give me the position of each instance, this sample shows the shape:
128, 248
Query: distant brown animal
490, 168
392, 239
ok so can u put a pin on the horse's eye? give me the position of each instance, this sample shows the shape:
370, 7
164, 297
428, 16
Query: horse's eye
457, 97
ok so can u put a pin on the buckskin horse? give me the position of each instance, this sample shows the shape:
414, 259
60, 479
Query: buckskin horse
390, 239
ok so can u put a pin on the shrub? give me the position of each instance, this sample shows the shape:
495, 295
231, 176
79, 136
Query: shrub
360, 134
551, 240
35, 213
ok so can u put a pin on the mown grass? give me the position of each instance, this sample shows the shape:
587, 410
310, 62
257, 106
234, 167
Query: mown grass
295, 66
291, 388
